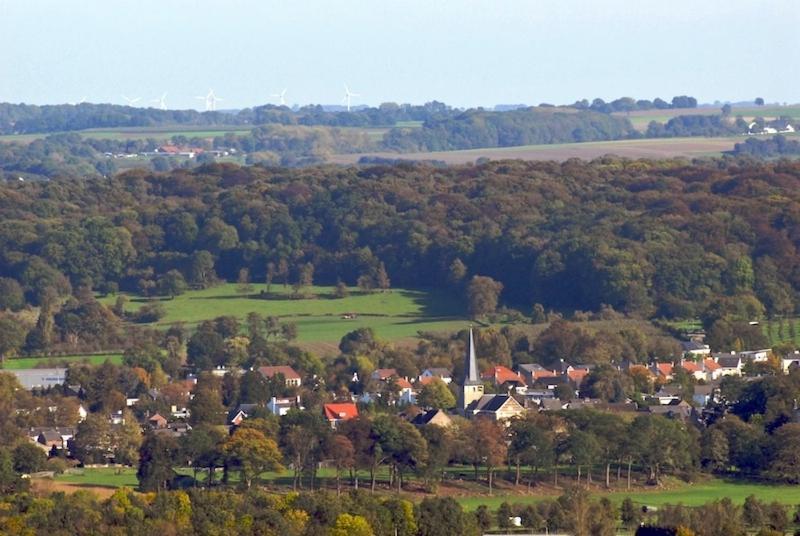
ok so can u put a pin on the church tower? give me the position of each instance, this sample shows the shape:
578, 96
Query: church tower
471, 387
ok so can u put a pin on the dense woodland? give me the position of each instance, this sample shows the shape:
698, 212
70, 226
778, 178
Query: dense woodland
30, 119
655, 239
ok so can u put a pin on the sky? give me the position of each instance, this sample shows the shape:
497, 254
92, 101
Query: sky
465, 53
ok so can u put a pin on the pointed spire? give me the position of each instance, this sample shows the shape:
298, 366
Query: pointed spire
471, 376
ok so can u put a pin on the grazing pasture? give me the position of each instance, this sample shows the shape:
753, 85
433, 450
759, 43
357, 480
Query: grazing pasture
320, 317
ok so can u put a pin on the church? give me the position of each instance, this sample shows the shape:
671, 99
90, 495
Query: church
472, 402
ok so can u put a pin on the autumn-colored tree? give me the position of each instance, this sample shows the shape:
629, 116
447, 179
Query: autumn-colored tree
253, 453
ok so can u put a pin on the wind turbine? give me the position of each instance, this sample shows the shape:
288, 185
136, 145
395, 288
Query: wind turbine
280, 96
211, 100
348, 95
162, 104
131, 101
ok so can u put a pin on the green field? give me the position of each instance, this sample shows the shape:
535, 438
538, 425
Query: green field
34, 362
640, 119
687, 494
395, 314
782, 331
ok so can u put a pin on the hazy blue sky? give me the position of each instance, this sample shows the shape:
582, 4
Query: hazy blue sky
465, 53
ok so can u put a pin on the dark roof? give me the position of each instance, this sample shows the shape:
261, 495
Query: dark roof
50, 435
494, 403
728, 362
471, 372
424, 418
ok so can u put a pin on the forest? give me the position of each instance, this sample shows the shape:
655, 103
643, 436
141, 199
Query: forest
654, 239
30, 119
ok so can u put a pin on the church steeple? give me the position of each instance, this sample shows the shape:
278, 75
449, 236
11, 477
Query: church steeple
471, 376
471, 386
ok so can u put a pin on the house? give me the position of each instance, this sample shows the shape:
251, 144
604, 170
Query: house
290, 376
281, 406
340, 411
712, 368
695, 349
174, 429
407, 395
694, 369
668, 394
242, 412
662, 371
552, 404
703, 394
441, 373
157, 421
435, 416
534, 371
730, 366
500, 375
498, 407
757, 356
576, 376
678, 410
383, 374
790, 362
54, 438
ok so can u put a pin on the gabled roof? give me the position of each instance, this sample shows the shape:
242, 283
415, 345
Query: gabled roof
493, 403
710, 365
691, 366
157, 417
501, 374
729, 362
341, 411
577, 375
403, 383
384, 373
288, 372
665, 369
50, 435
425, 418
441, 372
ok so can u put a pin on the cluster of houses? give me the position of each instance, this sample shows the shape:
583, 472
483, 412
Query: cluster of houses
531, 387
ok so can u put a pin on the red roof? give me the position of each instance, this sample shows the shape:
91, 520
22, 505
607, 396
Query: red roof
425, 380
403, 383
502, 374
665, 369
384, 373
343, 411
287, 371
690, 366
711, 365
577, 375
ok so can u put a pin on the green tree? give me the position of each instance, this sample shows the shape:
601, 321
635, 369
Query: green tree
28, 458
12, 296
435, 394
201, 270
172, 284
483, 293
12, 336
156, 457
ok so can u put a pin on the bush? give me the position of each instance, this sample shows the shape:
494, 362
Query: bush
150, 312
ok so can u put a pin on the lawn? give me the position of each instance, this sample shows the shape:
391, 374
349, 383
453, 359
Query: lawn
396, 314
688, 494
60, 361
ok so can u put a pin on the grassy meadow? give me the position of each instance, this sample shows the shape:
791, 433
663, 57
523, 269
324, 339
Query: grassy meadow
60, 361
689, 494
395, 314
